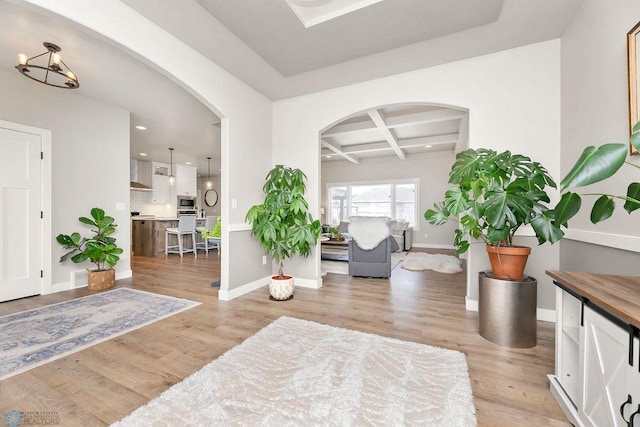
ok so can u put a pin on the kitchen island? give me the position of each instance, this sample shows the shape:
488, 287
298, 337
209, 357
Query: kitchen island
148, 235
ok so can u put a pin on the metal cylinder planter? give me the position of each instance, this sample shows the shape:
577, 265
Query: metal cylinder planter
507, 310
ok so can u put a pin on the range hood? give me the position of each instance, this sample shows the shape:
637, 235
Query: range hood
135, 184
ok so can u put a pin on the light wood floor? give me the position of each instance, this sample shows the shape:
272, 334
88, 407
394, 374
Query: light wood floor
103, 383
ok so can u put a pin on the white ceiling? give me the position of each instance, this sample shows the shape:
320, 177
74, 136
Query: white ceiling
263, 43
275, 33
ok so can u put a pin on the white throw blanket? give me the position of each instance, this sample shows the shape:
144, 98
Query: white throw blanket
368, 232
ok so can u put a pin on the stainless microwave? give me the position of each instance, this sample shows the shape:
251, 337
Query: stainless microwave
186, 202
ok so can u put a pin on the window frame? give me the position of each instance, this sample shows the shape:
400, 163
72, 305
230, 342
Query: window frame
391, 182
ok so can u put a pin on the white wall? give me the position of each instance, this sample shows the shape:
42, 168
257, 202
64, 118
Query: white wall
595, 112
431, 169
513, 98
246, 117
90, 165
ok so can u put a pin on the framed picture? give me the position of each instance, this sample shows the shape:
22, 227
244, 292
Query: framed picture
633, 47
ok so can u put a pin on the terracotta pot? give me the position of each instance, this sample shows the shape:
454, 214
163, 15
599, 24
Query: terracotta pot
508, 262
101, 279
281, 289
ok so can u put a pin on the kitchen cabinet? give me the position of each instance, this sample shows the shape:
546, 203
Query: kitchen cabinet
147, 236
141, 237
597, 372
186, 180
160, 183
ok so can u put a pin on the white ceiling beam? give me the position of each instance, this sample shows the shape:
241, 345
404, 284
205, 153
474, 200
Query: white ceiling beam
377, 118
403, 143
433, 116
339, 152
348, 128
429, 140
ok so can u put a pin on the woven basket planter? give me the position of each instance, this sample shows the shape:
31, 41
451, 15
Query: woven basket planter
101, 279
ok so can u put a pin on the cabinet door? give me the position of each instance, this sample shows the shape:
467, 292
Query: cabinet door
605, 359
161, 190
186, 180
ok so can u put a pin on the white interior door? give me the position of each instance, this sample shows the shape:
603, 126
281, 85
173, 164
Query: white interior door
21, 234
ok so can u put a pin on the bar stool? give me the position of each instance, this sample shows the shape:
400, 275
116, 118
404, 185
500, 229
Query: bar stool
186, 227
207, 243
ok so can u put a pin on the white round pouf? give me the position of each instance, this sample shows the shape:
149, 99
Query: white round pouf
281, 289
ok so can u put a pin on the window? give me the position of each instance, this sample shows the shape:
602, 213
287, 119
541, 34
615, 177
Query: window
395, 199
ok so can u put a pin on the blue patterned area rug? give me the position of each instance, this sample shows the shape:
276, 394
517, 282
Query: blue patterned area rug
34, 337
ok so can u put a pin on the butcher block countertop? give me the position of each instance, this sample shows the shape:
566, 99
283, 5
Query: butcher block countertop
619, 295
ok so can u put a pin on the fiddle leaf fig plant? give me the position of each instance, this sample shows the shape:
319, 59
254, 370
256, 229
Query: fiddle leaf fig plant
100, 249
494, 194
596, 164
282, 223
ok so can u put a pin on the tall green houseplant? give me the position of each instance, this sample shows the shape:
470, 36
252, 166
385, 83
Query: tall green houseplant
282, 223
493, 195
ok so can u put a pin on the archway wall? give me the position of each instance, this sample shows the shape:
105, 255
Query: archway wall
513, 99
246, 118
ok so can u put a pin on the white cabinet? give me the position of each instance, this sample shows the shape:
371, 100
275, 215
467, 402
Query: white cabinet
568, 342
593, 375
160, 184
186, 180
605, 370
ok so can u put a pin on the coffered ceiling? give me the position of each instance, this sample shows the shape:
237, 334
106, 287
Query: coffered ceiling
396, 132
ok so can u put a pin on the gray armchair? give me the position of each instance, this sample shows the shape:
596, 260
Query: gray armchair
370, 247
374, 262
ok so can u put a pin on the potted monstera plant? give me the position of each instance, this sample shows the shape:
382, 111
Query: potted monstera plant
100, 249
596, 164
494, 194
283, 225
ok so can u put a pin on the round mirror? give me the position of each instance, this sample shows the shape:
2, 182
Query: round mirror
211, 197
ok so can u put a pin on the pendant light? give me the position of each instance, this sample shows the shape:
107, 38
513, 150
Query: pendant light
209, 183
172, 179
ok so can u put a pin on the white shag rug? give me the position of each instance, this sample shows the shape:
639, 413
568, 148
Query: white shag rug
342, 267
436, 262
297, 372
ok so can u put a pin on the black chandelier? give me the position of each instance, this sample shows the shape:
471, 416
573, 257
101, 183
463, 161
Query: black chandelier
53, 73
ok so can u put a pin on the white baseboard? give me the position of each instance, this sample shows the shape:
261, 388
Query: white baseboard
546, 315
431, 246
59, 287
228, 295
542, 314
308, 283
225, 295
470, 304
79, 279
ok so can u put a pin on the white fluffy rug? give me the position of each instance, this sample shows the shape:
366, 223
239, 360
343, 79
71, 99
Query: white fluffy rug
342, 267
297, 372
436, 262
